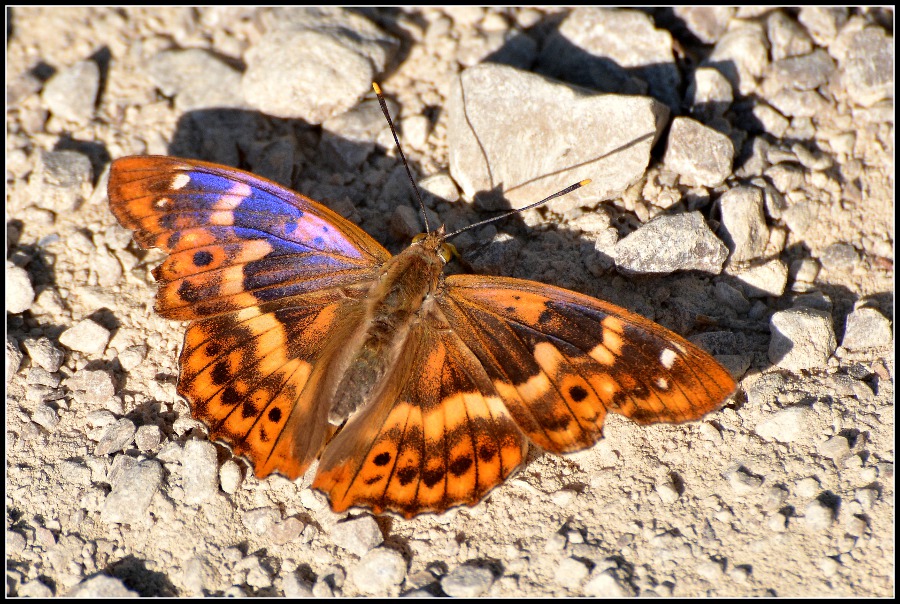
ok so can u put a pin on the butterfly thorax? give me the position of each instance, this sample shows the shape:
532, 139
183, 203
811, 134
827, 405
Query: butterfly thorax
394, 303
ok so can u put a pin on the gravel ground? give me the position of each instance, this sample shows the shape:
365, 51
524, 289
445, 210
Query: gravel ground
743, 182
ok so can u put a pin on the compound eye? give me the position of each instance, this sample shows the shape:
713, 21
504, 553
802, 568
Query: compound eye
418, 238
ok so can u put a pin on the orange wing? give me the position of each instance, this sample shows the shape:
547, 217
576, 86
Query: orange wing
437, 436
272, 282
561, 360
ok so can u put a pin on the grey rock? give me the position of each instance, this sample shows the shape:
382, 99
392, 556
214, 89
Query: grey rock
590, 48
200, 471
294, 586
804, 271
731, 297
698, 154
286, 531
19, 291
787, 425
92, 386
836, 448
197, 79
147, 438
86, 336
349, 138
357, 535
132, 492
839, 257
709, 94
195, 575
441, 186
45, 416
499, 253
351, 28
14, 357
106, 267
786, 37
34, 589
823, 23
15, 542
744, 483
74, 472
771, 120
416, 129
606, 583
805, 72
41, 377
379, 572
230, 477
798, 103
286, 67
802, 338
405, 222
132, 357
564, 135
571, 573
867, 71
260, 521
818, 516
743, 223
101, 586
467, 581
117, 436
21, 87
669, 243
742, 55
256, 576
708, 23
761, 279
800, 217
285, 70
867, 328
44, 353
72, 93
814, 299
61, 180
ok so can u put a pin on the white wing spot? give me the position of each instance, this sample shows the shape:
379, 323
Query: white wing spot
663, 383
180, 181
667, 357
162, 203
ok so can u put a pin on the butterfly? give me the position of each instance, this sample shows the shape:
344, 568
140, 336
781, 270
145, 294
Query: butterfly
416, 391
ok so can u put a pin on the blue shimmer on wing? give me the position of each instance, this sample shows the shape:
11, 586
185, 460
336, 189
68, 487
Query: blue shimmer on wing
274, 215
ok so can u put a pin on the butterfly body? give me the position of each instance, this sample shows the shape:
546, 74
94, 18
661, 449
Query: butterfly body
393, 304
416, 392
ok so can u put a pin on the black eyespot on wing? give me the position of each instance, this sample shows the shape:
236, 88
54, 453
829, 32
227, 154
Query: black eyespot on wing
202, 258
382, 459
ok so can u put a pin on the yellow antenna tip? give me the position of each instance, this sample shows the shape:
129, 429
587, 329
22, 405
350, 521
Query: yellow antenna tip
584, 182
376, 87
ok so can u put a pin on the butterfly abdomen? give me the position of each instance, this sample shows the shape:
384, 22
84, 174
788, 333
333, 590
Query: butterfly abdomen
392, 306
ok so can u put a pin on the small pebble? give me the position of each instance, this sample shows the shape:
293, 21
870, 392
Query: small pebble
357, 535
85, 336
379, 572
467, 581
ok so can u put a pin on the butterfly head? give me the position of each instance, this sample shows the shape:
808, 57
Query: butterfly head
436, 242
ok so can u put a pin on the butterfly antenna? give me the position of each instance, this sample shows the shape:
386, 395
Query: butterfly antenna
565, 191
387, 115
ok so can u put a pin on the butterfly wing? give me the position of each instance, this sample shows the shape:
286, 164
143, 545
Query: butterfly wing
234, 239
272, 282
436, 436
561, 360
